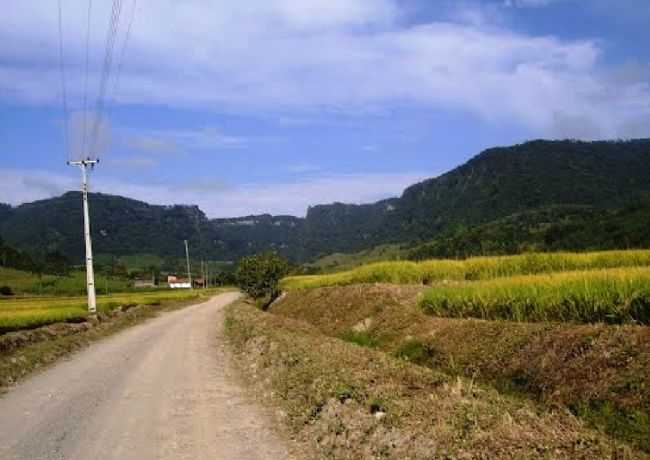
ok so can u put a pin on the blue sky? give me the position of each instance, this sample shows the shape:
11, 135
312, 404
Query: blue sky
270, 106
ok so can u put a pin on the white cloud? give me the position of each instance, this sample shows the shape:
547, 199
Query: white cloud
528, 3
303, 168
152, 143
323, 55
215, 198
179, 140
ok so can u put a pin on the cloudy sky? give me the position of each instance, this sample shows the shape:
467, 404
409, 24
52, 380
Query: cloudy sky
272, 105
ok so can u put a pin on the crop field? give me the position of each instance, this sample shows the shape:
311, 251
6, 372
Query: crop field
31, 312
22, 282
472, 269
615, 296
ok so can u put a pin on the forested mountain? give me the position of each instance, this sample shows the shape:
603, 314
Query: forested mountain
502, 185
555, 228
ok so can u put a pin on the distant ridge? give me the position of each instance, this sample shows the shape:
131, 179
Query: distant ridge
495, 184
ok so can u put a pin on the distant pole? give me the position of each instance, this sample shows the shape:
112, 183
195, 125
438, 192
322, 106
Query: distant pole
187, 257
203, 274
90, 272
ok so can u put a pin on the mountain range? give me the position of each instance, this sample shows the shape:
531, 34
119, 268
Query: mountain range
497, 185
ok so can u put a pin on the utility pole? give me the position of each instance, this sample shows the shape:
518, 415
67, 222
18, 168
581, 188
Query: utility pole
205, 274
187, 258
90, 273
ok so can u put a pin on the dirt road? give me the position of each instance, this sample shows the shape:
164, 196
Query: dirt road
160, 390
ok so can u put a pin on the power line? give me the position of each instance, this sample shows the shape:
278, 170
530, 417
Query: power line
106, 70
120, 63
85, 106
64, 97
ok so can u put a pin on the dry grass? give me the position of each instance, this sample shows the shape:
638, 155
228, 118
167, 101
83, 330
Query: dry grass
597, 371
348, 402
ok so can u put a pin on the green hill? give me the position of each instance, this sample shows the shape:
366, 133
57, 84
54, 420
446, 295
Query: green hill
520, 189
556, 228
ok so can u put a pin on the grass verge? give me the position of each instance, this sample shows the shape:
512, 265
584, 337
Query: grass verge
344, 401
23, 352
597, 371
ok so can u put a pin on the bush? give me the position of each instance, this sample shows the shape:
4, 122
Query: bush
6, 290
259, 275
415, 352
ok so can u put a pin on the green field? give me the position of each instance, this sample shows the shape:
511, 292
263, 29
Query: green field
22, 282
30, 312
346, 261
475, 268
618, 295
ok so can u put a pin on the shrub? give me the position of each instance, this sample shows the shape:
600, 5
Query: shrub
361, 338
415, 352
259, 275
6, 290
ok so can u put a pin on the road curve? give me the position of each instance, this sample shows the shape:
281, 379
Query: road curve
159, 390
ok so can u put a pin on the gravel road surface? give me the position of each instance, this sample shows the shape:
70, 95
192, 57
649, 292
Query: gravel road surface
159, 390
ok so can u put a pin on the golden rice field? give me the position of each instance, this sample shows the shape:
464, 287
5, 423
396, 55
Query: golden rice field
472, 269
618, 295
30, 312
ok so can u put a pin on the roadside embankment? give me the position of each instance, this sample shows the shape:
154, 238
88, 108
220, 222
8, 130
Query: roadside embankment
348, 402
597, 371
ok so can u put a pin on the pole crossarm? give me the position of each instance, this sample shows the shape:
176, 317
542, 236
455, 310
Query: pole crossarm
87, 162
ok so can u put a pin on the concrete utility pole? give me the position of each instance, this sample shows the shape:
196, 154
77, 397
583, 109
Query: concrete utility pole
90, 272
187, 258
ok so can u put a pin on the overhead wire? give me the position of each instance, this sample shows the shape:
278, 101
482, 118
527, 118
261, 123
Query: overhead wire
125, 43
105, 75
85, 98
64, 97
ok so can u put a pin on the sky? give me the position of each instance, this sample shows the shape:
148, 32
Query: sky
270, 106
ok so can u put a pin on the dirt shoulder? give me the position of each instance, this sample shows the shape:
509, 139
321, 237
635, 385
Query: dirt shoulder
343, 401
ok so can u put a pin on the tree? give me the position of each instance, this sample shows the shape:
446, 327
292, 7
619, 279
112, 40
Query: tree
259, 276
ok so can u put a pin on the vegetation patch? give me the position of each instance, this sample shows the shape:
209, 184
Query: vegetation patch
346, 402
415, 351
612, 296
361, 338
475, 268
576, 366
